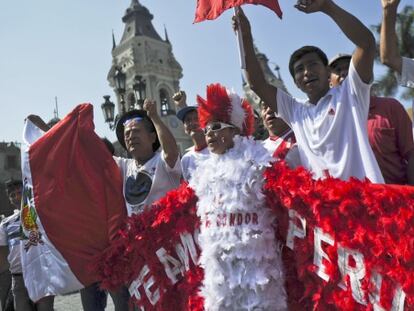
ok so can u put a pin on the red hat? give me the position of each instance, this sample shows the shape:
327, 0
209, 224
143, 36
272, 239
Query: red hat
225, 106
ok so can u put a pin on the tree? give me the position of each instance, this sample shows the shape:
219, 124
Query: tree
387, 84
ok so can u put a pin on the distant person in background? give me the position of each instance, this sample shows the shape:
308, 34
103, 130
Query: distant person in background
389, 51
189, 116
389, 130
10, 259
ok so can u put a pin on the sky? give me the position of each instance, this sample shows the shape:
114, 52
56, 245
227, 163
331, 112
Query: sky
62, 48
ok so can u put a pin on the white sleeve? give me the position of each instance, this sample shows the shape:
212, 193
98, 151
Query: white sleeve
286, 106
3, 236
407, 73
359, 90
176, 170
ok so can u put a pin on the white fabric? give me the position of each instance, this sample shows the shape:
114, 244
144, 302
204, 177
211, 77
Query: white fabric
332, 135
407, 72
10, 236
162, 179
45, 271
188, 161
239, 253
292, 158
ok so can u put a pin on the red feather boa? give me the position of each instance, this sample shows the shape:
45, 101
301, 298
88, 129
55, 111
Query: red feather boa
375, 220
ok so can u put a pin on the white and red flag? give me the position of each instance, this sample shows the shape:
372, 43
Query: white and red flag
211, 9
72, 204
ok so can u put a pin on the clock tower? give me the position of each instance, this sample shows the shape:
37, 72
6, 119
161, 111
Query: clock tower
143, 54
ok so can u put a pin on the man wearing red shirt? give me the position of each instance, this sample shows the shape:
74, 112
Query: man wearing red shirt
389, 130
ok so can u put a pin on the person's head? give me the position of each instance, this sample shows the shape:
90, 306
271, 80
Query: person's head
14, 192
274, 126
339, 67
189, 116
136, 133
309, 69
223, 114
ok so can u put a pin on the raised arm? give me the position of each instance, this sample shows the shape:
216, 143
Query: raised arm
167, 140
361, 36
38, 121
254, 73
389, 51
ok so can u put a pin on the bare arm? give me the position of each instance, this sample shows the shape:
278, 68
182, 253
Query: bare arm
254, 73
389, 51
180, 100
361, 36
167, 140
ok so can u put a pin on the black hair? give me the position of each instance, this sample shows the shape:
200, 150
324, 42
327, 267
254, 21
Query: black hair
304, 50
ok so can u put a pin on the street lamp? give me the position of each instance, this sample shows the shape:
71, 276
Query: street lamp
120, 85
139, 91
108, 109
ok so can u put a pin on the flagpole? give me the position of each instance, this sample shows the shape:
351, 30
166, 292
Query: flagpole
242, 56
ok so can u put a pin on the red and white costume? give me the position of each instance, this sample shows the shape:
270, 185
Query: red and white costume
239, 253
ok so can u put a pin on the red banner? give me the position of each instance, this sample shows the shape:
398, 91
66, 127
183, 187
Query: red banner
351, 245
211, 9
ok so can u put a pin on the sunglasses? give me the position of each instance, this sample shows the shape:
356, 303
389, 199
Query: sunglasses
216, 126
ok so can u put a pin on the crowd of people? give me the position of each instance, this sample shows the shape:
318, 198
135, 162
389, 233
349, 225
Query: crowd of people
341, 130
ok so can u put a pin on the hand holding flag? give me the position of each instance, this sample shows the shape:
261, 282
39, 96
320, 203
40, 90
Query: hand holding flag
211, 9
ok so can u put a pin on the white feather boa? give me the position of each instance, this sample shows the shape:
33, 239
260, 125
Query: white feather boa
240, 255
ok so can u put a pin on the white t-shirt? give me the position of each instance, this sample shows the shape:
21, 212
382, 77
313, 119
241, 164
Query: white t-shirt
332, 135
10, 236
145, 184
188, 161
292, 157
407, 72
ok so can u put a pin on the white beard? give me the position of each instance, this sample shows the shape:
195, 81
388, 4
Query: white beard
240, 255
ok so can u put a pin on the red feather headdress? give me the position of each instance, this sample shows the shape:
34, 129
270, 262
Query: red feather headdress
225, 106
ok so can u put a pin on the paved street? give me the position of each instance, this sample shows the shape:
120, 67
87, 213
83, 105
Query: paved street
73, 303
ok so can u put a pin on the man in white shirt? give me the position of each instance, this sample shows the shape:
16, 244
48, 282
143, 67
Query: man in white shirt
189, 116
389, 51
150, 173
330, 127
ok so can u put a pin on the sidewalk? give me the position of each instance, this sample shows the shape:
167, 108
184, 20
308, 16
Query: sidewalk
73, 303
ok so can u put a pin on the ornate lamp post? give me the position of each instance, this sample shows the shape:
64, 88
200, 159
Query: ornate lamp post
108, 109
139, 92
120, 85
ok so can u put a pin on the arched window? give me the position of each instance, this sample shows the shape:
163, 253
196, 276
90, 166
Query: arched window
165, 103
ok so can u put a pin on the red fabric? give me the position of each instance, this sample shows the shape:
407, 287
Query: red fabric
218, 107
78, 190
375, 220
283, 149
391, 138
211, 9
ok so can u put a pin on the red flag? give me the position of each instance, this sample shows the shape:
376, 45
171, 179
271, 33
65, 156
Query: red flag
211, 9
77, 189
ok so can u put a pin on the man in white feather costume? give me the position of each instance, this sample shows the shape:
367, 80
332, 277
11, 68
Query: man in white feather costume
240, 255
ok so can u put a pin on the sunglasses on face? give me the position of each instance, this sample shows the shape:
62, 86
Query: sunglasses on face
216, 126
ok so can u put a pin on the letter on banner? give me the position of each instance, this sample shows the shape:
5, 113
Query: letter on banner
294, 230
319, 254
186, 246
134, 287
171, 271
375, 293
356, 274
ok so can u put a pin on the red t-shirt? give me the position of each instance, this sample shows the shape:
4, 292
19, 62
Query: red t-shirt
391, 138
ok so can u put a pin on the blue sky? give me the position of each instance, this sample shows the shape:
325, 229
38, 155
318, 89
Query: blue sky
63, 48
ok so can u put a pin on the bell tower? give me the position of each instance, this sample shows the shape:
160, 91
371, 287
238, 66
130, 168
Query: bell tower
148, 63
